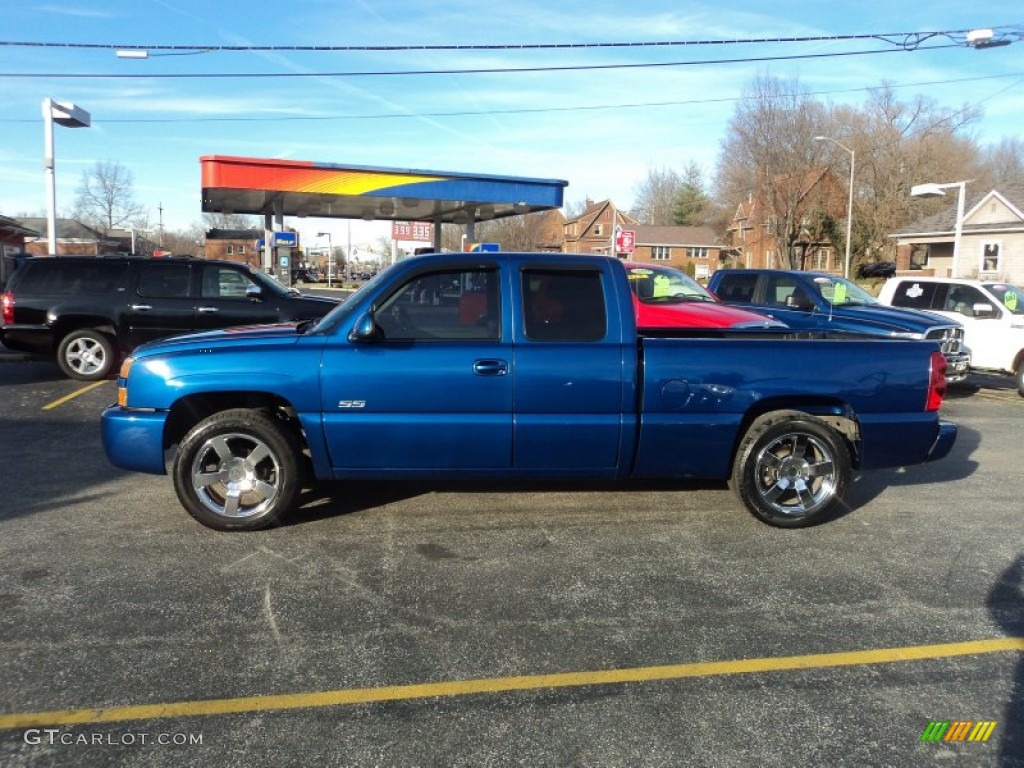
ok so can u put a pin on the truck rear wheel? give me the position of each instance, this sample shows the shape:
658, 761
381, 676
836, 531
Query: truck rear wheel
237, 470
86, 355
1018, 378
791, 470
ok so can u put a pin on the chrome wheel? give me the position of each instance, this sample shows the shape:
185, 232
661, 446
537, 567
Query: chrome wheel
236, 475
86, 355
795, 474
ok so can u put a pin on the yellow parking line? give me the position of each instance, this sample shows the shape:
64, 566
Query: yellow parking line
73, 395
317, 699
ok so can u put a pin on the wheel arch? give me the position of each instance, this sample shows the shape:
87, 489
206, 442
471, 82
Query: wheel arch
832, 411
66, 324
191, 409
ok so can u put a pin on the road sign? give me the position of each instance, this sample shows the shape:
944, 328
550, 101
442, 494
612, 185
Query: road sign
286, 239
625, 240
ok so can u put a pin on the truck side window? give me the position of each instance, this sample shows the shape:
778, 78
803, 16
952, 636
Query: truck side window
165, 281
443, 306
737, 288
564, 305
224, 282
962, 298
913, 294
784, 292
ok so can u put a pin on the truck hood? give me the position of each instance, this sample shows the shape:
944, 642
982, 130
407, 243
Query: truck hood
700, 314
907, 320
276, 333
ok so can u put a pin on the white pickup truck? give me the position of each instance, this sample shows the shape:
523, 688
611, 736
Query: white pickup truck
992, 314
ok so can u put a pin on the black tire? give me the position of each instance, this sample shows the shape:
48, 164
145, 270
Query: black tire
86, 355
238, 470
791, 470
1018, 378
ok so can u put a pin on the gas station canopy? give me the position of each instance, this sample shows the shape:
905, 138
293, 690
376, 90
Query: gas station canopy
324, 190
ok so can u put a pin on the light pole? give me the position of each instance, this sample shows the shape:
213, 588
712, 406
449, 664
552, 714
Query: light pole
69, 116
938, 190
330, 257
849, 202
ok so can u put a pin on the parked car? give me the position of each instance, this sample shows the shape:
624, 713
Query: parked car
664, 297
302, 275
876, 269
816, 301
518, 365
87, 312
991, 312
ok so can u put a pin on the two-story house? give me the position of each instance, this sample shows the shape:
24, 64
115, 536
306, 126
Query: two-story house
795, 227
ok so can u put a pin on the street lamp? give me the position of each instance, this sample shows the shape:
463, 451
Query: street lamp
69, 116
849, 202
330, 257
938, 190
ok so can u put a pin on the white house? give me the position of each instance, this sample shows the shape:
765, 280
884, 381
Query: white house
991, 241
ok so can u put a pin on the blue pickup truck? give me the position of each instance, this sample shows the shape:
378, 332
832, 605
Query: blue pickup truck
518, 365
823, 302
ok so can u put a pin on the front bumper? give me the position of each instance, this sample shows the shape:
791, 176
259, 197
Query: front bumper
134, 439
957, 367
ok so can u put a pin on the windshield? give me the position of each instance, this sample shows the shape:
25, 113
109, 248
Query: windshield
1010, 296
840, 292
664, 285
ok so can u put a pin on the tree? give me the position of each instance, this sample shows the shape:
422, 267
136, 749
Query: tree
692, 203
654, 198
106, 197
767, 154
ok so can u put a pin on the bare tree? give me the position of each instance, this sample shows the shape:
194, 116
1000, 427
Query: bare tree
767, 154
654, 198
106, 197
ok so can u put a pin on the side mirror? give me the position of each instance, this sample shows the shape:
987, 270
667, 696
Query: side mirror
365, 329
254, 293
984, 309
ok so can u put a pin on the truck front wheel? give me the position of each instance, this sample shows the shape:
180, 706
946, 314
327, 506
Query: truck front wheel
791, 470
86, 355
237, 470
1018, 378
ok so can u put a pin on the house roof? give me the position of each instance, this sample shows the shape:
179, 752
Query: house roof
67, 229
944, 222
693, 236
13, 228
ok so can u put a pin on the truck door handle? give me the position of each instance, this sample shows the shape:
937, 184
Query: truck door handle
207, 310
490, 367
141, 307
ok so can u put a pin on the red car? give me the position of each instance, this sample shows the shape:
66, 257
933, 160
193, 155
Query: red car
667, 298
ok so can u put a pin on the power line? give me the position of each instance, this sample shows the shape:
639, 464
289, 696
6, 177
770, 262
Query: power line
905, 40
522, 110
472, 71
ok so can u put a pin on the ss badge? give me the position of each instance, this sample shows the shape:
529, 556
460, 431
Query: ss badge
351, 403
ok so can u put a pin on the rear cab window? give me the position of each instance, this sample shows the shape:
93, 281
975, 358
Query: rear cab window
737, 288
564, 305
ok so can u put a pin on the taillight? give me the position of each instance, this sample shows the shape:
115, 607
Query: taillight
936, 382
7, 300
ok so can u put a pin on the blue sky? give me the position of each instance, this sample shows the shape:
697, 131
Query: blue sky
621, 122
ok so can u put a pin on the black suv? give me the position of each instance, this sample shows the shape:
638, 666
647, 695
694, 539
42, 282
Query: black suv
90, 311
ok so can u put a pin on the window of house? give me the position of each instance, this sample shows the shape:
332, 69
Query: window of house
697, 253
229, 249
661, 253
990, 256
241, 249
823, 259
598, 230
